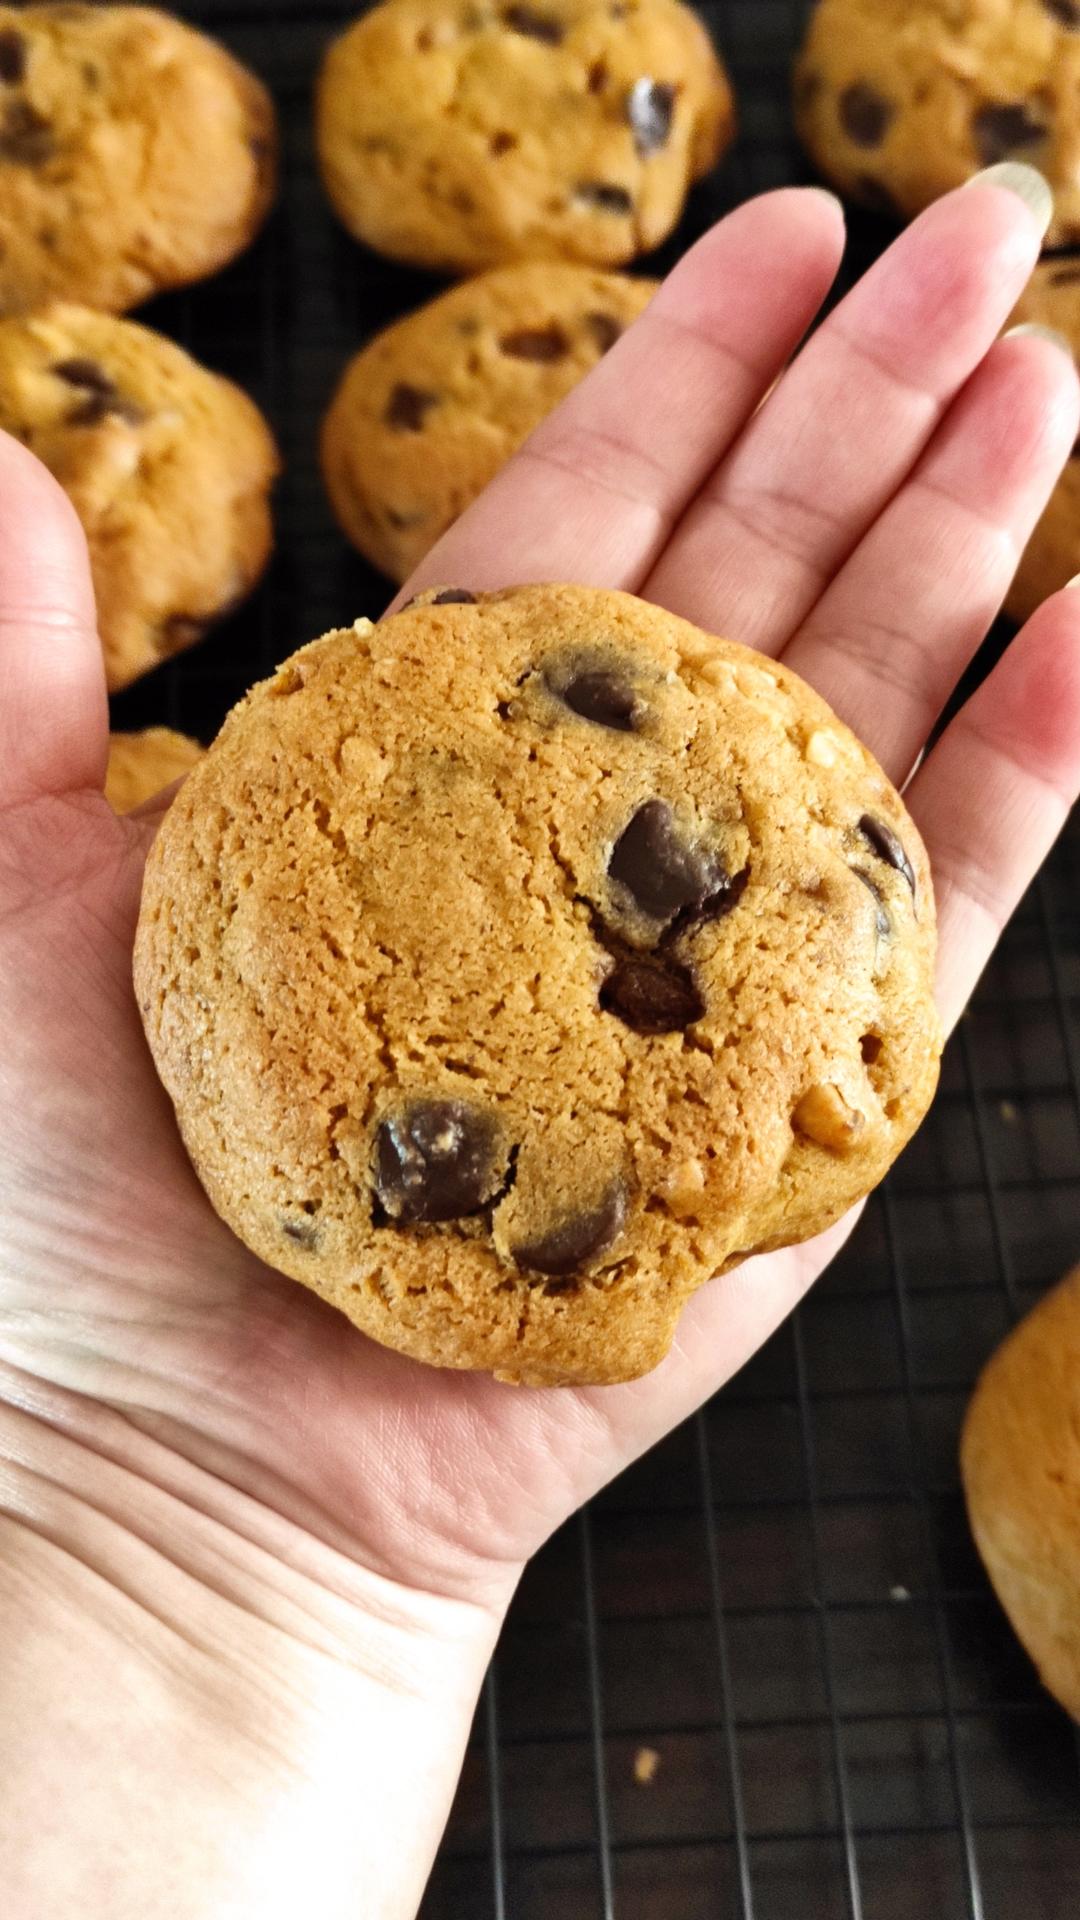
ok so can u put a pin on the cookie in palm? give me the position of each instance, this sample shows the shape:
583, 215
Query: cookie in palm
1052, 556
168, 466
899, 100
462, 136
135, 154
521, 962
1020, 1457
431, 408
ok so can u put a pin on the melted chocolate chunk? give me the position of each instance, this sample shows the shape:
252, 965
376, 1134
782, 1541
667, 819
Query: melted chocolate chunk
101, 397
865, 114
605, 196
661, 872
408, 407
535, 343
80, 372
25, 135
1001, 131
435, 1161
882, 919
304, 1232
605, 329
453, 597
652, 993
601, 696
535, 26
650, 106
1066, 11
13, 54
887, 846
577, 1239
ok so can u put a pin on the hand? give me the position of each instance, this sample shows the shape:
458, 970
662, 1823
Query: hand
863, 522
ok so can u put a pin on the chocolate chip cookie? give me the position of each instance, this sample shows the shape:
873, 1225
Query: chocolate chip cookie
1020, 1457
521, 962
899, 100
432, 408
135, 154
461, 135
140, 764
169, 468
1052, 556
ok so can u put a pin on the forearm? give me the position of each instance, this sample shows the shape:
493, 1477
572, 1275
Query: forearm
196, 1725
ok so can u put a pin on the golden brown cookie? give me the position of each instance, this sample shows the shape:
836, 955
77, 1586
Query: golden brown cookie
168, 466
899, 100
140, 764
1020, 1457
135, 154
1052, 556
431, 409
462, 135
519, 963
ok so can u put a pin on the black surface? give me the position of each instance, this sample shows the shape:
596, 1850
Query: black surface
783, 1599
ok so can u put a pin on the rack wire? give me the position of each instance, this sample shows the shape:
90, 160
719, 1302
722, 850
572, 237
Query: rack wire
782, 1601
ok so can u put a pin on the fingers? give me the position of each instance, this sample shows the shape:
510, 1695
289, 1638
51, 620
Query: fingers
994, 794
841, 432
53, 716
890, 638
593, 494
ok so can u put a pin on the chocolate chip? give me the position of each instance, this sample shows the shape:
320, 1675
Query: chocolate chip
874, 194
304, 1232
650, 105
652, 993
1000, 131
1067, 11
408, 407
865, 114
882, 919
605, 329
536, 343
887, 846
660, 871
80, 372
25, 135
454, 597
13, 52
435, 1161
502, 143
105, 406
604, 196
870, 1047
576, 1239
1066, 276
535, 26
598, 76
601, 696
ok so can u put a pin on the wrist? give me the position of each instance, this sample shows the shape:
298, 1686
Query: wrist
237, 1716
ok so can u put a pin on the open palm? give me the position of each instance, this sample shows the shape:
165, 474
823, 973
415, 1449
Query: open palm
864, 523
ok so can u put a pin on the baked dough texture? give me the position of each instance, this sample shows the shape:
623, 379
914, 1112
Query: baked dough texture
521, 962
140, 764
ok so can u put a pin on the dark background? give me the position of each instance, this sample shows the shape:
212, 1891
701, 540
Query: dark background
782, 1601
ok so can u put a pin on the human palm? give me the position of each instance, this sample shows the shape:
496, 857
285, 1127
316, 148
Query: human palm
864, 523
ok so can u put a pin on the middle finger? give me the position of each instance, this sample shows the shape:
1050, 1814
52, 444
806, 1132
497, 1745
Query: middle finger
843, 428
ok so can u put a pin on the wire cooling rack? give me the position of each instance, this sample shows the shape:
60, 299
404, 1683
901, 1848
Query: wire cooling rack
764, 1677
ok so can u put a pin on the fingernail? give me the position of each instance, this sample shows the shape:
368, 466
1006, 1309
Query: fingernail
833, 199
1040, 332
1026, 182
1074, 582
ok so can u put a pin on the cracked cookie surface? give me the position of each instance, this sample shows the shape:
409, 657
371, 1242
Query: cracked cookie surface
135, 155
521, 962
169, 468
461, 135
900, 100
429, 410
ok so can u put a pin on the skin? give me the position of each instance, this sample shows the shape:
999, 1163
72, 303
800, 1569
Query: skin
251, 1566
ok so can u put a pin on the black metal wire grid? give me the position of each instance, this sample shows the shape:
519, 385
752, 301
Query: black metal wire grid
782, 1602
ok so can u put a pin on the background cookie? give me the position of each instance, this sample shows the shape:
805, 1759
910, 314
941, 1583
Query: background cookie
169, 468
517, 964
1020, 1457
140, 764
135, 154
431, 409
1052, 556
899, 100
461, 136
